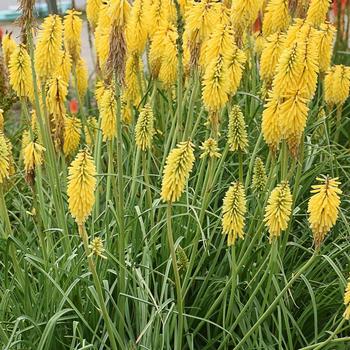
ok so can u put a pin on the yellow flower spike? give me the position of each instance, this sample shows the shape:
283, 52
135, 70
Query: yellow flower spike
270, 126
72, 130
48, 48
8, 47
32, 158
201, 17
233, 213
92, 11
276, 17
310, 39
82, 77
133, 73
163, 54
4, 159
323, 207
294, 110
327, 34
119, 10
56, 95
346, 314
237, 136
270, 55
72, 24
20, 73
102, 34
136, 29
96, 247
65, 66
177, 170
144, 129
12, 169
317, 11
220, 43
289, 69
57, 90
278, 210
337, 85
158, 14
244, 13
81, 186
259, 180
108, 114
210, 149
215, 85
293, 31
235, 66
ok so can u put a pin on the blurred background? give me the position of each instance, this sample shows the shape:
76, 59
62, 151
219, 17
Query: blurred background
9, 13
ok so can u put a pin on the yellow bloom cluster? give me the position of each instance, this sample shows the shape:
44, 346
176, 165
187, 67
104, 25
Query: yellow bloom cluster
163, 54
81, 186
177, 171
278, 210
72, 130
4, 159
323, 207
224, 63
82, 77
144, 130
276, 17
210, 149
237, 136
20, 72
295, 62
32, 157
48, 50
259, 180
72, 33
108, 114
97, 249
337, 85
8, 47
317, 12
233, 213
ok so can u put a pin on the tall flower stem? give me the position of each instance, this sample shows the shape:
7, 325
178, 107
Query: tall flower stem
97, 284
148, 186
178, 339
339, 111
120, 201
240, 166
233, 282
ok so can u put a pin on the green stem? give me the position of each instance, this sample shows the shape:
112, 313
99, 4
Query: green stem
120, 201
240, 166
97, 284
178, 339
148, 186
